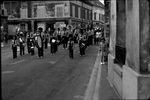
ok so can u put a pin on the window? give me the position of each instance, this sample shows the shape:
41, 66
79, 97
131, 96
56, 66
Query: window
85, 14
73, 11
59, 10
35, 11
89, 15
2, 11
120, 55
94, 15
79, 12
120, 48
76, 11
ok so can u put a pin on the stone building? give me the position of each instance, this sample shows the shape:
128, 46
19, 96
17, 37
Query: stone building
129, 57
29, 15
97, 13
3, 24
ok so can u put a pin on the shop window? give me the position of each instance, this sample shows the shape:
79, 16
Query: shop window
120, 55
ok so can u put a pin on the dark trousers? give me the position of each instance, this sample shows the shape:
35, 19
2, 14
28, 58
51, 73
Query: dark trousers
52, 48
40, 52
55, 48
29, 48
71, 53
46, 43
21, 49
14, 52
32, 51
82, 51
64, 45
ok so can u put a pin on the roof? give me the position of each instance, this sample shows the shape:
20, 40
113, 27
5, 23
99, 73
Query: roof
96, 3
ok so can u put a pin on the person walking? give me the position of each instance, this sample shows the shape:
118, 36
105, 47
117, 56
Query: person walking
40, 43
53, 42
21, 44
64, 38
70, 47
14, 49
46, 40
59, 36
28, 43
82, 46
32, 46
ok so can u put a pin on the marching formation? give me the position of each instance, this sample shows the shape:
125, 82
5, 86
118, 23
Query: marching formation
65, 37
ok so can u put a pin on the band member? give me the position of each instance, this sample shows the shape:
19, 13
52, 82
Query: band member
59, 36
40, 43
64, 38
32, 46
82, 46
21, 44
46, 40
14, 49
28, 42
70, 47
53, 42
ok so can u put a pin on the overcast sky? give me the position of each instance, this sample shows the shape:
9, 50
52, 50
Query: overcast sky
102, 1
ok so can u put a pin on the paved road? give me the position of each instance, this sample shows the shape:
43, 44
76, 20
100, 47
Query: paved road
55, 77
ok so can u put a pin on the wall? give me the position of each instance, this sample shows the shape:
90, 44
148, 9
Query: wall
132, 34
113, 17
98, 11
50, 9
144, 35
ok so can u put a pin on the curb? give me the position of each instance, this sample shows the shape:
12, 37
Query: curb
92, 91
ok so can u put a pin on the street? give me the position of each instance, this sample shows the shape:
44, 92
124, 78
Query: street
55, 77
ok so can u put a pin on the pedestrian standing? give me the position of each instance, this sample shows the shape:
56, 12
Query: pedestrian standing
70, 47
14, 49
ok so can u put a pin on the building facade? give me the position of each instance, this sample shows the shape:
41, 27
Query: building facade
29, 15
4, 21
97, 13
129, 57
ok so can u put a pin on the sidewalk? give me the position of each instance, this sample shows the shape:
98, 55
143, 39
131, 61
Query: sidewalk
106, 92
99, 87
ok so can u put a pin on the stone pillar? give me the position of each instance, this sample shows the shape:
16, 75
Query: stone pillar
144, 35
138, 35
113, 29
112, 41
132, 34
136, 76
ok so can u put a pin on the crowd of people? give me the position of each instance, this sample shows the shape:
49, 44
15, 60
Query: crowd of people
65, 37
